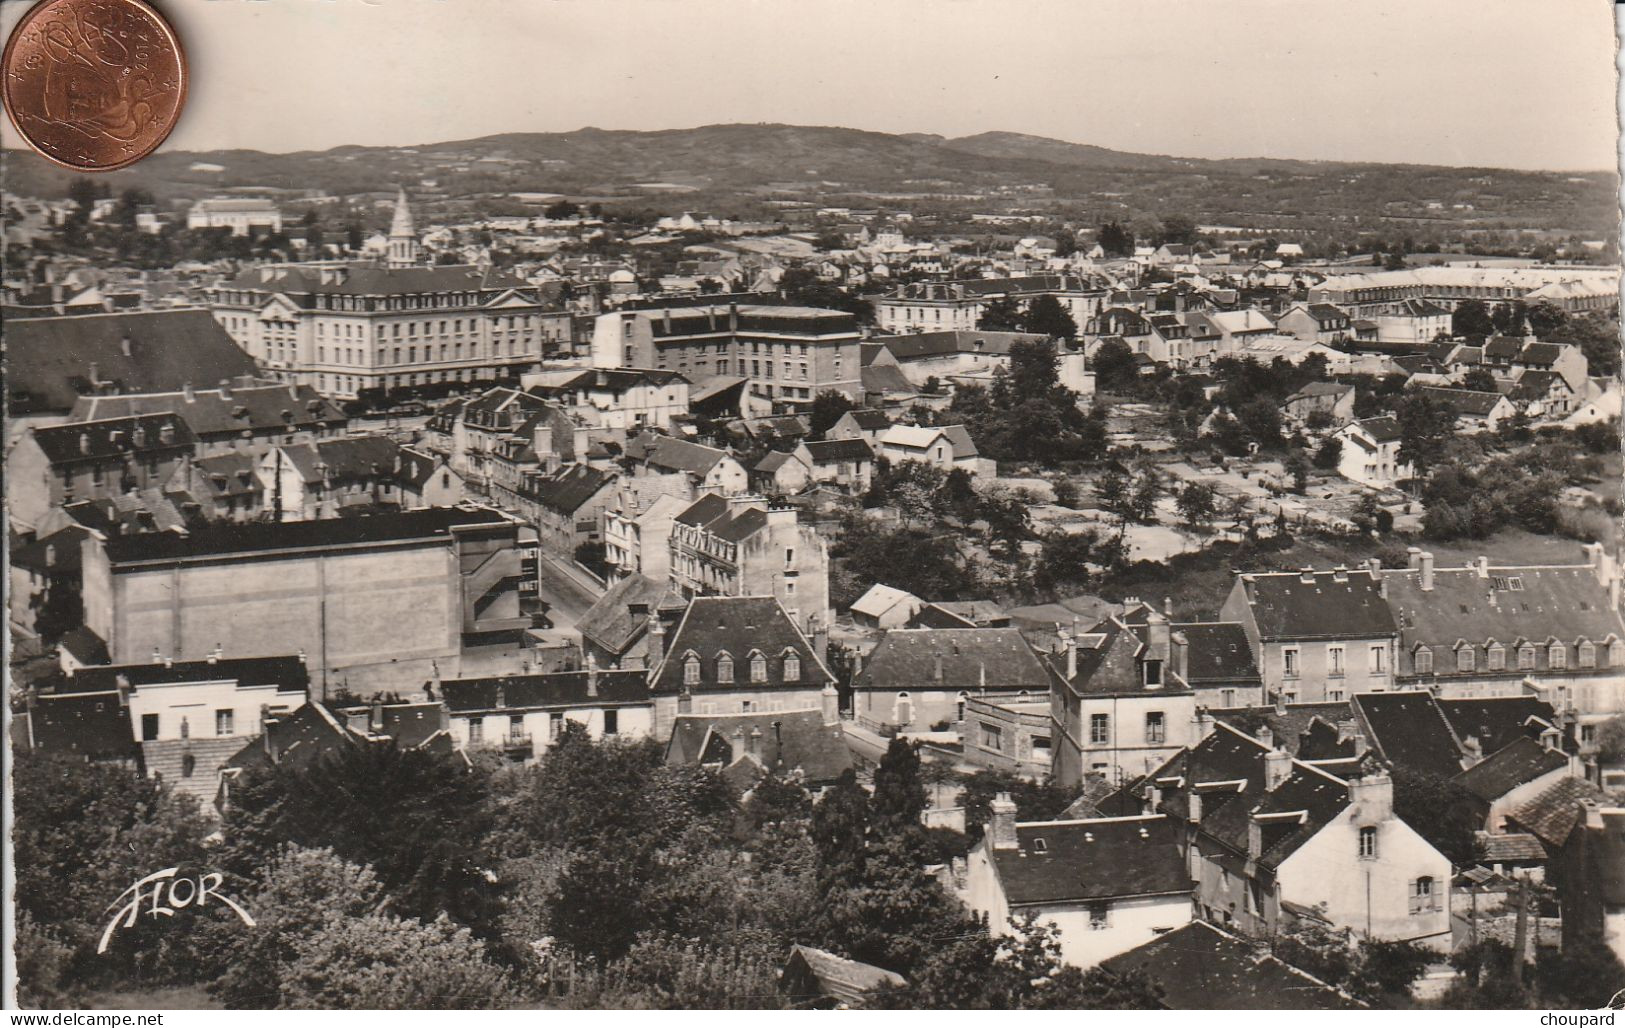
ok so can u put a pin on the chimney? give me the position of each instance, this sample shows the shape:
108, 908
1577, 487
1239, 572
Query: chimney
214, 654
95, 375
936, 671
1474, 750
127, 345
1413, 557
1280, 704
84, 442
830, 700
1340, 573
685, 701
188, 394
1306, 575
1593, 814
1372, 798
1205, 724
1265, 735
1255, 839
592, 677
1426, 566
1277, 768
1193, 812
1001, 827
225, 389
733, 317
1483, 566
1158, 644
375, 718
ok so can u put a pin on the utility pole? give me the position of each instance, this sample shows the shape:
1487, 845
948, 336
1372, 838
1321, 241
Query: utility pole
1521, 932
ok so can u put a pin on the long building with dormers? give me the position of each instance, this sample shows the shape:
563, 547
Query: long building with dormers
344, 327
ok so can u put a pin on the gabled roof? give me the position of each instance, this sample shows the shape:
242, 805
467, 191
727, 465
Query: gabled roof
868, 418
568, 489
546, 691
833, 976
1384, 429
1096, 859
969, 659
609, 623
1464, 402
1329, 605
737, 626
48, 360
887, 379
1552, 814
785, 741
1218, 652
1518, 763
1540, 354
882, 598
224, 475
1409, 729
1318, 795
1201, 967
1498, 721
832, 451
667, 454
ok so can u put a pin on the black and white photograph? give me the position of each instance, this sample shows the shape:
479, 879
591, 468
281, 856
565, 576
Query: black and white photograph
935, 505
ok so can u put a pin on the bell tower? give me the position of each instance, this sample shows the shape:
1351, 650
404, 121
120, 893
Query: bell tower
403, 240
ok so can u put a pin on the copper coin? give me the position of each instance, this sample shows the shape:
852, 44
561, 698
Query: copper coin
93, 84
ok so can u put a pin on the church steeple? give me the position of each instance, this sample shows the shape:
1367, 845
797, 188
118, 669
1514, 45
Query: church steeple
403, 240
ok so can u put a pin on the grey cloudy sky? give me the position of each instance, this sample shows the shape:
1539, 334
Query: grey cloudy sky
1508, 83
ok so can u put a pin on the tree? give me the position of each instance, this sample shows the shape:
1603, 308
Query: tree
1115, 368
1487, 979
1471, 318
1297, 465
840, 825
1545, 318
1033, 367
1009, 521
1597, 336
1066, 493
1115, 240
827, 408
892, 912
1035, 801
1147, 491
1611, 740
1064, 562
1330, 454
1480, 380
1000, 315
662, 971
1425, 426
382, 962
1378, 973
899, 796
418, 818
1584, 975
1046, 316
1197, 506
1113, 492
1177, 228
1440, 810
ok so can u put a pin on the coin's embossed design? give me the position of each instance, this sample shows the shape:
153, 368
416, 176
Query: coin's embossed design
93, 84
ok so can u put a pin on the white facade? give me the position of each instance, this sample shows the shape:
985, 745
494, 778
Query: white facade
205, 710
541, 727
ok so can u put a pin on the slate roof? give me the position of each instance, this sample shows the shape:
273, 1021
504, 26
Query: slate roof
1509, 605
1463, 402
114, 438
566, 490
224, 539
211, 414
1409, 729
1098, 859
737, 626
1540, 354
1383, 429
888, 380
1552, 814
1289, 723
774, 460
1218, 652
85, 646
55, 554
352, 458
287, 673
1497, 721
936, 344
48, 359
1509, 847
1320, 796
970, 658
224, 476
832, 451
609, 624
801, 740
1331, 605
536, 692
361, 279
668, 454
1201, 967
1518, 763
833, 976
869, 419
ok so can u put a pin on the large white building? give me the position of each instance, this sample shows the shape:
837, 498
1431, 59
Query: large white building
243, 217
344, 327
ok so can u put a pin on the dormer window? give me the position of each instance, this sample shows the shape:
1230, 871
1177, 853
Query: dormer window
1616, 653
792, 666
1588, 654
1497, 657
1526, 657
1466, 659
691, 670
758, 668
1153, 674
725, 668
1557, 656
1423, 659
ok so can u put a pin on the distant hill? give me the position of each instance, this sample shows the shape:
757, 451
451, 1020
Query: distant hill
726, 164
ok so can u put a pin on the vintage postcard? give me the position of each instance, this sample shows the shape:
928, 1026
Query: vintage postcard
738, 504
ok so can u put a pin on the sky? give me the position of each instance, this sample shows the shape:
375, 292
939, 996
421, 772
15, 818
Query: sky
1504, 83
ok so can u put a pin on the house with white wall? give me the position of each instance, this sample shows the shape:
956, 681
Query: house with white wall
1106, 884
521, 716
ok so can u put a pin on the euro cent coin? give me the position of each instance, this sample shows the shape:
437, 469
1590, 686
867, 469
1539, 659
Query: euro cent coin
93, 85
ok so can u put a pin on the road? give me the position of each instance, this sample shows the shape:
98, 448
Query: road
568, 590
